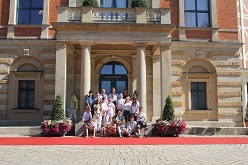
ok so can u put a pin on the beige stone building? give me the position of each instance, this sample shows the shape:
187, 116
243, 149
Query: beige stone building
185, 49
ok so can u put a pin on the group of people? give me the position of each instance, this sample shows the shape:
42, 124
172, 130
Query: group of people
114, 115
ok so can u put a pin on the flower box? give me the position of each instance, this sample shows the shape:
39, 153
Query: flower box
169, 128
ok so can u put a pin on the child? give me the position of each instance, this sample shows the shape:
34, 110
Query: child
104, 128
112, 128
111, 111
104, 109
122, 129
90, 128
141, 122
132, 126
98, 115
119, 117
87, 115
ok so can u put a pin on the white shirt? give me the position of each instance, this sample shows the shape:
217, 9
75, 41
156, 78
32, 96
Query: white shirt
127, 106
141, 116
131, 126
86, 116
120, 103
111, 108
135, 107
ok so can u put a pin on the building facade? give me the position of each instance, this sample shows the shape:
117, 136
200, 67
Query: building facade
188, 49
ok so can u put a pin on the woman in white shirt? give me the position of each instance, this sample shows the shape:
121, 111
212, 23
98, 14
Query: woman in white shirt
127, 108
111, 111
135, 108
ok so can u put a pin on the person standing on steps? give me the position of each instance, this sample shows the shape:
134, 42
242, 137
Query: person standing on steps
72, 111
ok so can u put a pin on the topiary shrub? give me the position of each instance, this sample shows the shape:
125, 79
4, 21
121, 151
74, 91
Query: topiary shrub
140, 3
168, 111
57, 112
93, 3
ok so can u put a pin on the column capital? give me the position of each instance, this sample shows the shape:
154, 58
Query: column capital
139, 44
60, 44
165, 46
85, 43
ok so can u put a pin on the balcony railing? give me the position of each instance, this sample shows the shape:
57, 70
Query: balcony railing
129, 15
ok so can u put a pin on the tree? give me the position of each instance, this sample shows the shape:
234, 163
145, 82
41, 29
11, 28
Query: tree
140, 3
57, 112
93, 3
168, 111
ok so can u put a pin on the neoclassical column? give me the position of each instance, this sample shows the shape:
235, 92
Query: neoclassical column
134, 73
165, 71
85, 72
156, 88
60, 71
141, 73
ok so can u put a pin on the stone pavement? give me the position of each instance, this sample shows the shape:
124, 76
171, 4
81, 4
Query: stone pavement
235, 154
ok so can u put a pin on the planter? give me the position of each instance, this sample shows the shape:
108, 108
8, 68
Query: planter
167, 132
61, 132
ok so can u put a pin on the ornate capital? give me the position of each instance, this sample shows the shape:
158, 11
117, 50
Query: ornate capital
61, 44
85, 43
140, 44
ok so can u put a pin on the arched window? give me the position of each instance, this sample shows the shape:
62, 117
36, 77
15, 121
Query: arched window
113, 74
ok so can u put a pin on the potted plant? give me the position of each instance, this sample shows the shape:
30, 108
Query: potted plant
139, 3
246, 116
92, 3
168, 125
59, 125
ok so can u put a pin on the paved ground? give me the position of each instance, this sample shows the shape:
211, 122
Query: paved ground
120, 155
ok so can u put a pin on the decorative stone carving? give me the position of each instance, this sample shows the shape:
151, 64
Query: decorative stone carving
177, 93
177, 104
176, 83
229, 104
237, 84
227, 113
198, 54
229, 94
229, 73
3, 81
26, 52
176, 73
177, 63
226, 63
6, 61
4, 71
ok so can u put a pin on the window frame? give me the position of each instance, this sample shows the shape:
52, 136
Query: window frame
26, 90
198, 91
196, 12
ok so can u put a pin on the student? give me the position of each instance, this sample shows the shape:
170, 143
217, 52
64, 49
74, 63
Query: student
90, 101
122, 130
127, 108
135, 107
90, 128
98, 115
120, 102
72, 111
104, 109
104, 128
87, 115
132, 126
112, 128
119, 117
111, 111
141, 122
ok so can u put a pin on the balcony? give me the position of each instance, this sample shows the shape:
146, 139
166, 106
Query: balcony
113, 15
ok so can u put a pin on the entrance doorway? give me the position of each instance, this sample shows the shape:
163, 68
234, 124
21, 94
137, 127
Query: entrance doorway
113, 74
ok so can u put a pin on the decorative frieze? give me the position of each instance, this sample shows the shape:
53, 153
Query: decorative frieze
177, 104
5, 61
226, 63
3, 81
177, 93
228, 73
229, 104
177, 63
176, 83
229, 94
235, 84
4, 71
176, 73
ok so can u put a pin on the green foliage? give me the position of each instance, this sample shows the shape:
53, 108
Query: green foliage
140, 3
246, 113
57, 112
93, 3
168, 111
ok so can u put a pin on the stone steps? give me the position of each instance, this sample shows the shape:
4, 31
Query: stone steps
190, 130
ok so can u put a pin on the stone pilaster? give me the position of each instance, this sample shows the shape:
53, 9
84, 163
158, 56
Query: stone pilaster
60, 71
85, 72
156, 88
165, 71
141, 73
45, 20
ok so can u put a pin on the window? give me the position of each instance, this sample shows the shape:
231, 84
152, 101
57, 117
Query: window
29, 12
198, 96
113, 74
114, 3
26, 94
196, 13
